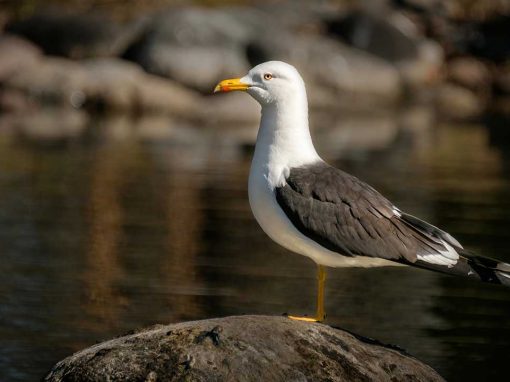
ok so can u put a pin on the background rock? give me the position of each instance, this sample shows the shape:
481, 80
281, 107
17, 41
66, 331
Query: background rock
456, 102
386, 34
395, 38
106, 84
49, 126
16, 53
121, 85
198, 46
358, 57
336, 75
234, 108
242, 348
75, 35
469, 72
425, 70
194, 46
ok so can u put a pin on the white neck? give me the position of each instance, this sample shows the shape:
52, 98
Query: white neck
283, 140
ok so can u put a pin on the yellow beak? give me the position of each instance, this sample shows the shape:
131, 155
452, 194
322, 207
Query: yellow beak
231, 85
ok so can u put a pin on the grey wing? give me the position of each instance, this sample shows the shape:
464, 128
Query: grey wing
347, 216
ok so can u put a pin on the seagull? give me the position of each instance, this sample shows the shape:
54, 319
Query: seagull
316, 210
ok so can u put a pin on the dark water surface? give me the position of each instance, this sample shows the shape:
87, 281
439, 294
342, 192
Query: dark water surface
123, 228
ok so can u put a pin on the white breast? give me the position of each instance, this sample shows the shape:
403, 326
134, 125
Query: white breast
284, 142
278, 227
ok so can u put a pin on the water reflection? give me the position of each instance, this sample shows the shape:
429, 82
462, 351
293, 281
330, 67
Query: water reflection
139, 222
103, 268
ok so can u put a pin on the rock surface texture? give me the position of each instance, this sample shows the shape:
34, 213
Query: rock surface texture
241, 348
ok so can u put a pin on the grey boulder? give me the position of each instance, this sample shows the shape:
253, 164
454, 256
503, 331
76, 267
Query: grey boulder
194, 46
241, 348
76, 35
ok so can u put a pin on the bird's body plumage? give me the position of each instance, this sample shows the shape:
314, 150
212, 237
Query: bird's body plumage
347, 216
318, 211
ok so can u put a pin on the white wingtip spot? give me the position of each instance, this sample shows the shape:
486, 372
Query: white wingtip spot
504, 275
396, 212
448, 257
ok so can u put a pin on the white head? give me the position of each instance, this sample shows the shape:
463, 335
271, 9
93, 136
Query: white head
284, 137
283, 140
270, 83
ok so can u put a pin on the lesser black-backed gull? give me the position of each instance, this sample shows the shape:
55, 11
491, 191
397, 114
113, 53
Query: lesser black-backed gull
319, 211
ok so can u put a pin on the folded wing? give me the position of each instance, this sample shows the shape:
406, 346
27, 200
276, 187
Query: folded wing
345, 215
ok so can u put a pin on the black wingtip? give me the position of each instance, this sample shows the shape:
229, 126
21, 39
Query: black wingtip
474, 267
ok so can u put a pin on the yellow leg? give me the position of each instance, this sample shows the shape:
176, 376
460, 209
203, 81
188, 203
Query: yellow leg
321, 279
319, 315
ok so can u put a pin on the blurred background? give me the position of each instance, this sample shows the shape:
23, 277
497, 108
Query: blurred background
123, 182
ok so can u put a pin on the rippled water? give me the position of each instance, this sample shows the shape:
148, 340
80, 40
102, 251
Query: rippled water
130, 225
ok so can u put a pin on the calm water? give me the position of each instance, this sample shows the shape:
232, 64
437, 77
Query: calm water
131, 224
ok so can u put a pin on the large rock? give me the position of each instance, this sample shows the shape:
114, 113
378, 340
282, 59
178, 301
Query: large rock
47, 126
395, 38
388, 35
29, 80
198, 46
194, 46
302, 16
122, 85
16, 52
469, 72
336, 76
238, 109
106, 84
458, 103
347, 135
76, 35
17, 55
242, 348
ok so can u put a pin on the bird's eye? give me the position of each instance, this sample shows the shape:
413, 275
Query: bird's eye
268, 76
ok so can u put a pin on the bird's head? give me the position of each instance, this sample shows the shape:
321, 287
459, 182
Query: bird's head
269, 83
